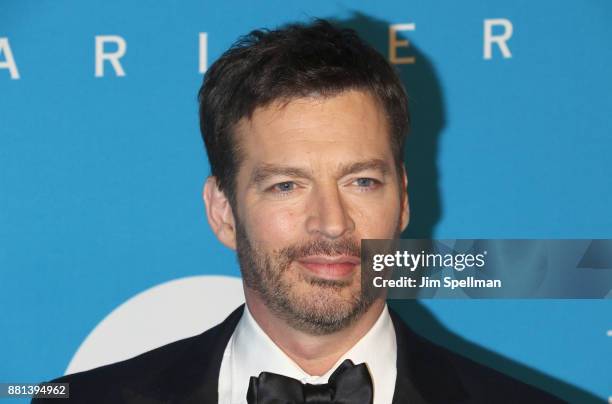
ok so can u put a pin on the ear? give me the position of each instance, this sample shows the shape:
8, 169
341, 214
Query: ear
219, 213
405, 208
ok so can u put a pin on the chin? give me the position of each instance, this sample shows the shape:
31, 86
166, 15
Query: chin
323, 308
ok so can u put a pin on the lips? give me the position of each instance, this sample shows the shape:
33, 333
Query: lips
330, 267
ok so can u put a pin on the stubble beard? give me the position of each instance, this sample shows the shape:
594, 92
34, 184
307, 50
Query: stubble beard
323, 306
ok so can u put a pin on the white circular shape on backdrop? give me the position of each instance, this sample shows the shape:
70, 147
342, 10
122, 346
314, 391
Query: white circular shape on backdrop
164, 313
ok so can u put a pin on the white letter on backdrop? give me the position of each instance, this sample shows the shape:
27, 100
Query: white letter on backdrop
112, 57
203, 52
9, 63
499, 40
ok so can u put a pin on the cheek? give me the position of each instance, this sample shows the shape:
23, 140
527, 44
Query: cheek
379, 220
275, 228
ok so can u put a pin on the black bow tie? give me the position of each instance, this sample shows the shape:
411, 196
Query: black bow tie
349, 384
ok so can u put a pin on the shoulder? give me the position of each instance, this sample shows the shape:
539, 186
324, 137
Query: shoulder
440, 374
165, 372
112, 382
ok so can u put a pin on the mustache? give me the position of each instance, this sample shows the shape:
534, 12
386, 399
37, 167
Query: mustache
344, 246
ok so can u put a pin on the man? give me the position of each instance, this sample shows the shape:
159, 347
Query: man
304, 129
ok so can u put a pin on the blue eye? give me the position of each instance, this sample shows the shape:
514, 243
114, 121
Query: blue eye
365, 182
286, 186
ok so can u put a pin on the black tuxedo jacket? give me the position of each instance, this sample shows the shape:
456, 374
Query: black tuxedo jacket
187, 371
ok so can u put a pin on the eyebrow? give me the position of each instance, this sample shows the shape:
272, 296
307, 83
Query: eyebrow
373, 164
265, 171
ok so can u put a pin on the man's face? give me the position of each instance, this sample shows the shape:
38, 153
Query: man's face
317, 175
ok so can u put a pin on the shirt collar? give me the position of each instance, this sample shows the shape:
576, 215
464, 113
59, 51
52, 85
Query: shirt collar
252, 352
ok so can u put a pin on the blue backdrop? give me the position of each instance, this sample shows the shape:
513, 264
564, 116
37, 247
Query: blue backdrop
100, 177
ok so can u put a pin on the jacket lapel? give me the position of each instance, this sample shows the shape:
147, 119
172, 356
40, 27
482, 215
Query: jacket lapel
424, 374
204, 385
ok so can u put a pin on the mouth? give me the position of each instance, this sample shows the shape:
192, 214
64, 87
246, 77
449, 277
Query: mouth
330, 267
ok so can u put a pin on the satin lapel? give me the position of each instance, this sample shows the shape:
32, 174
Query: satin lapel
206, 384
424, 374
405, 390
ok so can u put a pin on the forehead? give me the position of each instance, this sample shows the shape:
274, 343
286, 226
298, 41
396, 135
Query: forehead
348, 126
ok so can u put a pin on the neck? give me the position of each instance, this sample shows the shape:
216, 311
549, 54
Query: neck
315, 354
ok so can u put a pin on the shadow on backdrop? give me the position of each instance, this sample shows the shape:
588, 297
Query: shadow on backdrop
420, 155
427, 122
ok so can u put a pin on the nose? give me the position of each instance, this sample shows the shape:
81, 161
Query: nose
328, 216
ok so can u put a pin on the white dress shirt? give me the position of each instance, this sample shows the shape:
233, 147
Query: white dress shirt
250, 351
